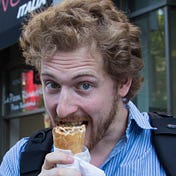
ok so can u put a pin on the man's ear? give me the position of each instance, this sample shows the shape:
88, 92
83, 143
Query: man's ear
124, 87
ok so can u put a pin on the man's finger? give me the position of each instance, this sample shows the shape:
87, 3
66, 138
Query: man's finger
54, 158
60, 172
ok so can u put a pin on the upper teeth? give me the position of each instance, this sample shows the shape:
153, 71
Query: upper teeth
71, 123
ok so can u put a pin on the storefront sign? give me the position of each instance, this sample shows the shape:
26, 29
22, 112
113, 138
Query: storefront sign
18, 103
12, 13
29, 6
22, 93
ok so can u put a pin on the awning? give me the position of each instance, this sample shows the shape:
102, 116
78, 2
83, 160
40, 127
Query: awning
12, 14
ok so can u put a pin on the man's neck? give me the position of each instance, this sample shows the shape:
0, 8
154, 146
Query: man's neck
117, 129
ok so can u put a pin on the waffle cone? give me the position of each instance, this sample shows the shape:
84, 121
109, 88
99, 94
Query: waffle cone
69, 137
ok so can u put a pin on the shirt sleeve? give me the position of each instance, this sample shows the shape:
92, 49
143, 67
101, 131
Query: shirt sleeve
11, 160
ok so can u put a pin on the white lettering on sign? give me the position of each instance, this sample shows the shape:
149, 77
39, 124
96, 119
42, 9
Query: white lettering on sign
29, 6
35, 93
25, 95
28, 104
12, 98
16, 107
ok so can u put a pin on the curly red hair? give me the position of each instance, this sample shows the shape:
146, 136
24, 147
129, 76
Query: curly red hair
97, 24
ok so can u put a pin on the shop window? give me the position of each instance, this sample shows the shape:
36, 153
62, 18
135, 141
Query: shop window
23, 91
138, 4
153, 96
172, 32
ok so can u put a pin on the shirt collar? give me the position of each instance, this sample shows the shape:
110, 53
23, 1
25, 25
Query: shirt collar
141, 119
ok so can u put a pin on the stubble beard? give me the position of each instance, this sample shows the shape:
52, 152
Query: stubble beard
103, 127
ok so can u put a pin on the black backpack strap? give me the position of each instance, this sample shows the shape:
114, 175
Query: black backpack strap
164, 140
38, 145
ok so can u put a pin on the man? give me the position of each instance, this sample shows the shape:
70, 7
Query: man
89, 58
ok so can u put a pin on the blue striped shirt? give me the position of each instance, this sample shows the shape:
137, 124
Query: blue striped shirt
133, 155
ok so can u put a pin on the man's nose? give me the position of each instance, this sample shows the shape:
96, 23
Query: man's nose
66, 104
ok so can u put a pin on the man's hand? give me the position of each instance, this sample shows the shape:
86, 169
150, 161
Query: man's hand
49, 166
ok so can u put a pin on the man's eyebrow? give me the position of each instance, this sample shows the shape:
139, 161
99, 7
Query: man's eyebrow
47, 74
73, 77
44, 74
84, 75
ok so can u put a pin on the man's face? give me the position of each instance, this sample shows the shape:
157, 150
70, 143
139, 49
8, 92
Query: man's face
76, 89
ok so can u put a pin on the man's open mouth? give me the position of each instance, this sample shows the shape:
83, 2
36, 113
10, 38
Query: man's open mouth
79, 123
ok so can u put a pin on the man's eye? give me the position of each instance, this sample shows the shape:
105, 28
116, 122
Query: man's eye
52, 85
85, 86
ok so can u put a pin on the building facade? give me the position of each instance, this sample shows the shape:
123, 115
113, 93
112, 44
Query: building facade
21, 103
